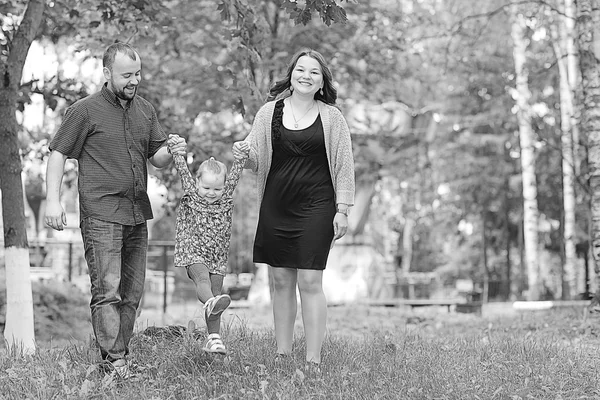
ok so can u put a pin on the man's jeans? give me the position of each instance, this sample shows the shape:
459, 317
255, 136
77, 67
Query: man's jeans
116, 258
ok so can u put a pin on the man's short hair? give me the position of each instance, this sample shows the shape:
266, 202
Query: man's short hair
111, 52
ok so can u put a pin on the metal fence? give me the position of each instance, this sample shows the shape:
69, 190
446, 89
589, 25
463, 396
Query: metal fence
64, 260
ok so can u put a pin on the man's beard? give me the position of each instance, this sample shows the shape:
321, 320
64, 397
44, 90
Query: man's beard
124, 96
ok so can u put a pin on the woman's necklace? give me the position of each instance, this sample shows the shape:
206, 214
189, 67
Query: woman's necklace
294, 115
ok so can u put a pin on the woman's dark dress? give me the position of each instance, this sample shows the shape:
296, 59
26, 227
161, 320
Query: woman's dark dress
295, 225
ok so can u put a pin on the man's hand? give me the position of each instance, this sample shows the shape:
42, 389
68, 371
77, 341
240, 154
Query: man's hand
241, 150
177, 144
55, 216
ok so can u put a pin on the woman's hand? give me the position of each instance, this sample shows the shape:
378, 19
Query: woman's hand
340, 225
241, 150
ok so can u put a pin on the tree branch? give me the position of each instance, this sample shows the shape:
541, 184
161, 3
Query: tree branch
24, 35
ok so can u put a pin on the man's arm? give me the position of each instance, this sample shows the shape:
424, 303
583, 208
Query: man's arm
175, 145
161, 158
55, 216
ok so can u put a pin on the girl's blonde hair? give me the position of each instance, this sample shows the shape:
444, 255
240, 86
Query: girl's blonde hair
212, 166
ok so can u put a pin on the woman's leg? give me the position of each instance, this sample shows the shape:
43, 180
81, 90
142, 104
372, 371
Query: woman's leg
314, 311
284, 307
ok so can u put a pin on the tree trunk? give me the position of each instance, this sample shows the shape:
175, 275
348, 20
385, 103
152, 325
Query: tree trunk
508, 292
574, 77
526, 136
19, 329
587, 19
407, 245
521, 286
560, 42
486, 270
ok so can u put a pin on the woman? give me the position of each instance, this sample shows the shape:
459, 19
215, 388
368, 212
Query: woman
300, 149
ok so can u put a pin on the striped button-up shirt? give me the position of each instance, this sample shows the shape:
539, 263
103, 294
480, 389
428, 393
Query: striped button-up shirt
112, 144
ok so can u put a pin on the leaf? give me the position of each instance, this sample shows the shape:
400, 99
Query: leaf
94, 24
304, 17
224, 11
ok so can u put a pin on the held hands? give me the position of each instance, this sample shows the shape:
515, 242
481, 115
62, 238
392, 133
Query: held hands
241, 150
176, 144
55, 216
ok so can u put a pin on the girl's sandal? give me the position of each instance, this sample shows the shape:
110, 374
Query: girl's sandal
214, 344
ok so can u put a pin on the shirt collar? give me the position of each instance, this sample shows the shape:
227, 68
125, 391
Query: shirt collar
111, 97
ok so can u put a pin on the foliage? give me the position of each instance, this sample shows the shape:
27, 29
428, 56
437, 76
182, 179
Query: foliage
208, 66
300, 12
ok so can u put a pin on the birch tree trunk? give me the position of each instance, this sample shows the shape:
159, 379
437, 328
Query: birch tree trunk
526, 137
574, 76
19, 329
561, 37
407, 245
589, 58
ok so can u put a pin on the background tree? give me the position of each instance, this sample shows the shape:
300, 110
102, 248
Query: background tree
19, 308
588, 18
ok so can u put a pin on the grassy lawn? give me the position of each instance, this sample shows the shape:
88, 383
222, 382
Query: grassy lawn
370, 353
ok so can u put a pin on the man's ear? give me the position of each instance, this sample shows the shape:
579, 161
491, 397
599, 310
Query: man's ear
107, 73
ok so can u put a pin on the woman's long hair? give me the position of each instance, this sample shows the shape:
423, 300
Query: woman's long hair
329, 95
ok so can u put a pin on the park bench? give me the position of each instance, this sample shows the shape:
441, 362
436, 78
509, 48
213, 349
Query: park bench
471, 305
412, 303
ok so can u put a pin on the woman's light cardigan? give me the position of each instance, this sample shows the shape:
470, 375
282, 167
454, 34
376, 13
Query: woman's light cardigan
338, 147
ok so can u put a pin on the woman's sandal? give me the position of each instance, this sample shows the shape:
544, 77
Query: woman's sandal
312, 368
214, 344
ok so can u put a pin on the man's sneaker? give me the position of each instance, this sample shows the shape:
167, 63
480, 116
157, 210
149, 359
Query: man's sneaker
216, 305
120, 369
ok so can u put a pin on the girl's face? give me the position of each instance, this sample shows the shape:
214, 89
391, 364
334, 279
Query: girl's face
211, 186
307, 77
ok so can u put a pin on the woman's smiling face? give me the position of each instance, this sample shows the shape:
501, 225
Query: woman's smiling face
307, 77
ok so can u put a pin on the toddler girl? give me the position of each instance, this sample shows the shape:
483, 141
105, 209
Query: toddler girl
203, 232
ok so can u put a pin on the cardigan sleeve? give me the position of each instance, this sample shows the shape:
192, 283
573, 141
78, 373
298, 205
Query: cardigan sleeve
258, 126
343, 159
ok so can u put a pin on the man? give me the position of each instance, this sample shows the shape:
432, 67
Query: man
112, 133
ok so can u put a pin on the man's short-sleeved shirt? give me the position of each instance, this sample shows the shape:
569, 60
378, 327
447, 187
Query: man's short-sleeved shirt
112, 144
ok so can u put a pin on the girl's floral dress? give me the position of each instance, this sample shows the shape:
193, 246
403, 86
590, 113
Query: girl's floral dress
203, 230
